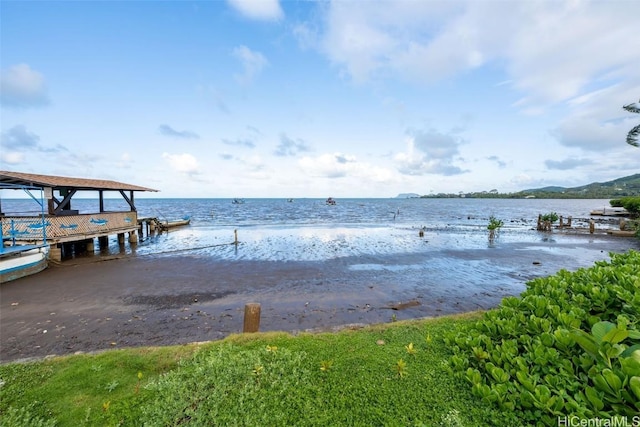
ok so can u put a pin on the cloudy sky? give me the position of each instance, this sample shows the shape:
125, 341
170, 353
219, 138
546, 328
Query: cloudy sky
302, 98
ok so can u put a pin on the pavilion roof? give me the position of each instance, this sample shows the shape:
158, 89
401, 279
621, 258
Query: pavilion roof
63, 182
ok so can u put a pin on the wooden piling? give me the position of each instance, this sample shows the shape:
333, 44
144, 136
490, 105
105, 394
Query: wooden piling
235, 241
251, 317
592, 226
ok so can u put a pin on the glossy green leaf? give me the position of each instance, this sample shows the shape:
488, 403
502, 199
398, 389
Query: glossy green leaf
612, 379
615, 335
601, 329
634, 384
594, 398
630, 366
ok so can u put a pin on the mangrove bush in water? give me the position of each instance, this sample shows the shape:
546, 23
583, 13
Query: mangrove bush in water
631, 204
570, 346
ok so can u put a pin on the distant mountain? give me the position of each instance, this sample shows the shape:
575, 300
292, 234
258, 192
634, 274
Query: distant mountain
407, 196
627, 186
552, 189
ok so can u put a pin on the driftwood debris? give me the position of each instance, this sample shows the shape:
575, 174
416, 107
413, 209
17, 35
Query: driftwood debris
403, 305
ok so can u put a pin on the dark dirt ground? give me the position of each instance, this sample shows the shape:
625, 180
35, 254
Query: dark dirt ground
95, 304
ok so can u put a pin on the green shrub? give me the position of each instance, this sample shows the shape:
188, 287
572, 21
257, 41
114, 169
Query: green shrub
569, 346
551, 217
494, 223
631, 204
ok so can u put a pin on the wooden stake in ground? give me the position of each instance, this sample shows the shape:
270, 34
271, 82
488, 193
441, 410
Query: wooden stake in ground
251, 317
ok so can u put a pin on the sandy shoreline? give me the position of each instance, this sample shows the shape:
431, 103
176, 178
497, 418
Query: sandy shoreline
177, 299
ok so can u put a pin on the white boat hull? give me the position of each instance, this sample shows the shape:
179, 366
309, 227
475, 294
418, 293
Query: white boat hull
21, 263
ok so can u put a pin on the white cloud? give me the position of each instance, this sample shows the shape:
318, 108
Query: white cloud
551, 51
340, 165
183, 163
125, 161
252, 64
306, 35
253, 163
264, 10
596, 120
334, 165
429, 152
12, 157
20, 86
589, 134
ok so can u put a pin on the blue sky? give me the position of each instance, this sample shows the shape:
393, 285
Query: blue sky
260, 98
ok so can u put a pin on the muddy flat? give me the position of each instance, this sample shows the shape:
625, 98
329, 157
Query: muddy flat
100, 304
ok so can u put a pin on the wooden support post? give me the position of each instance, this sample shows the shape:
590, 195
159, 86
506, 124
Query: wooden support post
55, 253
251, 317
103, 241
569, 221
133, 237
561, 222
90, 245
592, 226
235, 241
121, 238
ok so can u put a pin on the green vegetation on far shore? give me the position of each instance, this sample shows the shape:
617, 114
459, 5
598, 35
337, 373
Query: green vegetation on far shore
617, 188
569, 346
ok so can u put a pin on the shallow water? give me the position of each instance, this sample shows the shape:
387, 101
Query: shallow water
310, 230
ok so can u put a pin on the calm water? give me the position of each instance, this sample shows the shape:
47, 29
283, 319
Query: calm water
310, 230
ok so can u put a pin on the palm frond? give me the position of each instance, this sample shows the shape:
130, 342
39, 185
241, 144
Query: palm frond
632, 136
632, 108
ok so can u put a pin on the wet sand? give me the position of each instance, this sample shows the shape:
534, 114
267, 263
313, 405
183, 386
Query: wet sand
175, 299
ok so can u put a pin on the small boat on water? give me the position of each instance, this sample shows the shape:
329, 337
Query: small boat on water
330, 201
177, 223
19, 260
237, 201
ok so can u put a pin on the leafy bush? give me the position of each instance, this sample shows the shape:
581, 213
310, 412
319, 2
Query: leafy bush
551, 217
494, 227
494, 223
632, 204
569, 346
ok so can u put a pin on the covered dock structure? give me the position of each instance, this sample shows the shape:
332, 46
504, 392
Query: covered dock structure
64, 226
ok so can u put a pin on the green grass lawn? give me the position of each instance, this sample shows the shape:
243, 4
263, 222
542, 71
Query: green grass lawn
393, 374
